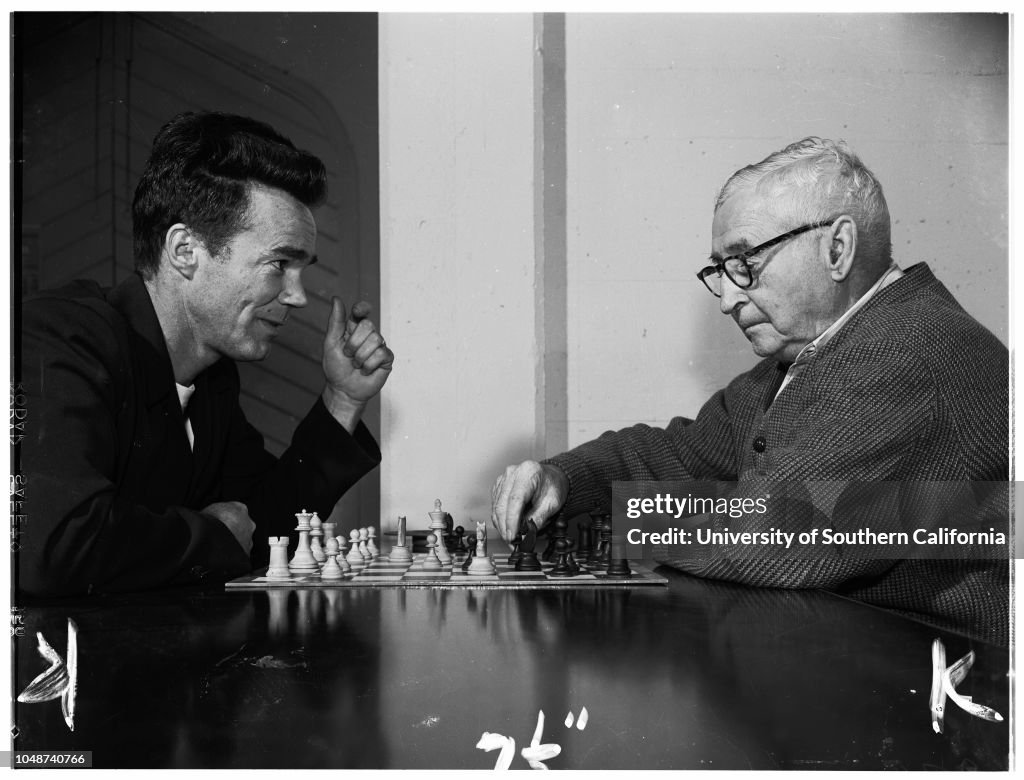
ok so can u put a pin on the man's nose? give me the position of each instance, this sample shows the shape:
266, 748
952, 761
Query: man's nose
293, 293
732, 295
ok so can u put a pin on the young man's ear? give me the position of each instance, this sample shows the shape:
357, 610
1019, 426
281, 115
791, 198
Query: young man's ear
181, 250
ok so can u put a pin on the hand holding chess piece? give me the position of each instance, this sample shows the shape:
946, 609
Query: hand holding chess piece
530, 491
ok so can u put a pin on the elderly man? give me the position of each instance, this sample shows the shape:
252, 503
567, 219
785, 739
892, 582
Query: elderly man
872, 376
141, 468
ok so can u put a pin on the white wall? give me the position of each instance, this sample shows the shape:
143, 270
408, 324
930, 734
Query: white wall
663, 108
457, 246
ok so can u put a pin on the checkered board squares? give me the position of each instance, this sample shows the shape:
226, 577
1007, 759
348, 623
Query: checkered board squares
385, 574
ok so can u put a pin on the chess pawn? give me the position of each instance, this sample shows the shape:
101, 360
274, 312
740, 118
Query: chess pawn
315, 534
331, 570
562, 567
355, 558
471, 553
432, 562
364, 538
278, 569
482, 565
303, 561
371, 542
460, 540
342, 561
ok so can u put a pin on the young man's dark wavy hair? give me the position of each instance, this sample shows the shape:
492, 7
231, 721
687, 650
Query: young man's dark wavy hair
200, 172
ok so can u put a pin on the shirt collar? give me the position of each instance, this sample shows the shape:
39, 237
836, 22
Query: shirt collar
891, 274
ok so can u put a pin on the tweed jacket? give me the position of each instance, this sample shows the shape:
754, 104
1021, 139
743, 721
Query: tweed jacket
911, 390
114, 494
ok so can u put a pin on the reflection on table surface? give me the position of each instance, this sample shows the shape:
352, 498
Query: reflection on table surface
696, 675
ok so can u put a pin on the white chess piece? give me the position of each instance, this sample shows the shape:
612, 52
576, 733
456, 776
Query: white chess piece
432, 562
331, 570
315, 546
329, 529
439, 524
303, 561
355, 558
400, 553
371, 542
481, 565
364, 536
278, 569
342, 559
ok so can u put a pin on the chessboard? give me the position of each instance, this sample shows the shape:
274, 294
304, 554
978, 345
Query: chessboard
382, 573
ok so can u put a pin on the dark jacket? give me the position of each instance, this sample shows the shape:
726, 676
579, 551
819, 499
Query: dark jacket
909, 397
113, 493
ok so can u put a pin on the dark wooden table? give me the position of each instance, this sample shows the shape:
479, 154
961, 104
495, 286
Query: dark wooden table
696, 675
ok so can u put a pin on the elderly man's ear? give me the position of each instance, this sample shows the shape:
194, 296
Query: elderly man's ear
843, 247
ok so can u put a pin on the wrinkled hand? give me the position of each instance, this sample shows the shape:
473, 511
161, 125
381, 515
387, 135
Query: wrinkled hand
531, 490
235, 516
356, 362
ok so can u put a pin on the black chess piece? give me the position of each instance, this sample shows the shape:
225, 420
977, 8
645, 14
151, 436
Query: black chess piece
605, 553
549, 549
529, 560
596, 524
472, 551
460, 543
449, 532
572, 563
515, 556
619, 569
584, 540
562, 567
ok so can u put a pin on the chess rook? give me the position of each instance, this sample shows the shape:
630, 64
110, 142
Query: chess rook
278, 569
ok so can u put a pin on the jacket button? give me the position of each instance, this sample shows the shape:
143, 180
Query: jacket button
760, 445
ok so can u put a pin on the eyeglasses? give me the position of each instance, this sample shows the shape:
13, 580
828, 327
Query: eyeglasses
735, 266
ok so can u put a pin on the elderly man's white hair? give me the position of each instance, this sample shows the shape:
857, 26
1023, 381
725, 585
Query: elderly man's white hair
814, 180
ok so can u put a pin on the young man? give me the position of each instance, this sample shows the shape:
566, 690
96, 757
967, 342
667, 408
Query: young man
141, 468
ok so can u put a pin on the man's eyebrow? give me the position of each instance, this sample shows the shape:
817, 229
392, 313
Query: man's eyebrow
294, 253
735, 247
